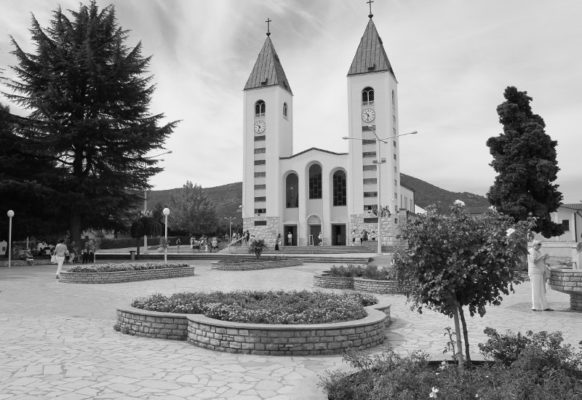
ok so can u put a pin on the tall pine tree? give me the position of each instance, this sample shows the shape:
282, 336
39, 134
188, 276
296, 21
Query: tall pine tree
89, 97
524, 157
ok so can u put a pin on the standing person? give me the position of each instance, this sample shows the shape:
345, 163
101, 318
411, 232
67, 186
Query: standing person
278, 242
61, 252
289, 238
536, 268
178, 243
320, 239
91, 255
214, 244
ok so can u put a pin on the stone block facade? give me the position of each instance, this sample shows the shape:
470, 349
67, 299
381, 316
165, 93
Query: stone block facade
263, 339
391, 227
568, 281
266, 232
126, 276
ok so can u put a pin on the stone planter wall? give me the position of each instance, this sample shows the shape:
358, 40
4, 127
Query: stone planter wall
376, 286
236, 337
153, 324
125, 276
567, 280
255, 265
333, 282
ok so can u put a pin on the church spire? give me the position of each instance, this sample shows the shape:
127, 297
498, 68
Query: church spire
268, 70
370, 55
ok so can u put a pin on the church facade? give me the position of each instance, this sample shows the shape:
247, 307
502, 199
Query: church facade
318, 196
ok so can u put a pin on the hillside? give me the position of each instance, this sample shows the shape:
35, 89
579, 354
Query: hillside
227, 198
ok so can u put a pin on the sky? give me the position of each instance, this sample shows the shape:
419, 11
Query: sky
452, 58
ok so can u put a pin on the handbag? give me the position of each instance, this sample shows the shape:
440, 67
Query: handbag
53, 259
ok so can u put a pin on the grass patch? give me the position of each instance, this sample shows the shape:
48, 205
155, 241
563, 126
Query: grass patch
273, 307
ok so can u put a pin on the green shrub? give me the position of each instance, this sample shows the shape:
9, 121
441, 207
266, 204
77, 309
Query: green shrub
360, 271
542, 369
279, 307
123, 267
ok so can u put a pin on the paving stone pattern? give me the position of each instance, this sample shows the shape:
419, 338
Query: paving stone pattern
57, 341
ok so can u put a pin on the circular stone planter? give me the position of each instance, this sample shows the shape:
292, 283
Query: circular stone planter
126, 276
250, 265
377, 286
263, 339
567, 280
326, 280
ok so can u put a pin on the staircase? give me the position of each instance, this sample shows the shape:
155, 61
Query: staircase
243, 249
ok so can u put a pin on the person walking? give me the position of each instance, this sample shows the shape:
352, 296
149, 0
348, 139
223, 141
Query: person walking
278, 242
536, 269
61, 252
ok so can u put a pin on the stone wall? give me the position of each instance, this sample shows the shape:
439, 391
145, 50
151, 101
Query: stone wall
333, 282
264, 339
376, 286
266, 232
152, 324
391, 227
568, 281
126, 276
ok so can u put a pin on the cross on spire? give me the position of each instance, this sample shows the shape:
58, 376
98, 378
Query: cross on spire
268, 21
370, 4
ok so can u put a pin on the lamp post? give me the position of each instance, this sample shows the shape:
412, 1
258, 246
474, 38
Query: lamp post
145, 200
379, 161
166, 213
10, 214
229, 227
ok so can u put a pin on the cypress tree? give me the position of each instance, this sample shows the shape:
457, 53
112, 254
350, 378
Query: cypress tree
524, 157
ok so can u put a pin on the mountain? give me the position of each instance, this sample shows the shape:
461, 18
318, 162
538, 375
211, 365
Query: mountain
228, 198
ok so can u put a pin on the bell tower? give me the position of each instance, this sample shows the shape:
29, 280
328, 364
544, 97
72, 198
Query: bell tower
372, 115
267, 136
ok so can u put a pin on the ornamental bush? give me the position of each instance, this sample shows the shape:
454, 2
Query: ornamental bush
123, 267
361, 271
543, 370
280, 307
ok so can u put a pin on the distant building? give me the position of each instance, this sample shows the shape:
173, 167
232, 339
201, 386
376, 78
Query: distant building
318, 190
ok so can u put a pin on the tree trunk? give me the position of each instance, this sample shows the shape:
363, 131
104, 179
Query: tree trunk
75, 227
465, 335
458, 335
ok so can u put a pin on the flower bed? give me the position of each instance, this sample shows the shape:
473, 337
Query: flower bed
128, 272
249, 265
263, 339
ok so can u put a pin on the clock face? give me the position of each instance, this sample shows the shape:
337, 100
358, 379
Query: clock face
368, 115
259, 126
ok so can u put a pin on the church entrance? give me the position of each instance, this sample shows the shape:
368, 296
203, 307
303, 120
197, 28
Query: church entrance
290, 235
314, 231
338, 234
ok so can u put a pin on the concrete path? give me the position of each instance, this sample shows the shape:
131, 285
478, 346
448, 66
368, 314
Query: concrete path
57, 340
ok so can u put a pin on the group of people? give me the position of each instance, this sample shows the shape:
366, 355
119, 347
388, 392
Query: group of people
61, 254
204, 243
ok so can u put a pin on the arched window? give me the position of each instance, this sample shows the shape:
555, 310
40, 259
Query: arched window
292, 191
315, 181
339, 188
367, 96
260, 108
285, 110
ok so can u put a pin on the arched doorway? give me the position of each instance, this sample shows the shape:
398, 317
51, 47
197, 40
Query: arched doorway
314, 231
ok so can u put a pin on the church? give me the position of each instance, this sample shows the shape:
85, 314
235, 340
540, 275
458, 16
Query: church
316, 196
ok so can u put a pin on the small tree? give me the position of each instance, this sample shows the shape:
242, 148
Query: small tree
456, 260
142, 226
257, 247
192, 212
524, 157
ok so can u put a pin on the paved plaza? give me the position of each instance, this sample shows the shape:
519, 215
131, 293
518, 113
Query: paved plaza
57, 340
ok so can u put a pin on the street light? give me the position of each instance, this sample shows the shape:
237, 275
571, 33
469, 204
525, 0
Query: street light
378, 161
229, 227
145, 200
10, 214
166, 212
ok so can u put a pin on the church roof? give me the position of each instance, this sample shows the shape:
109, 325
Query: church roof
370, 56
268, 70
312, 149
